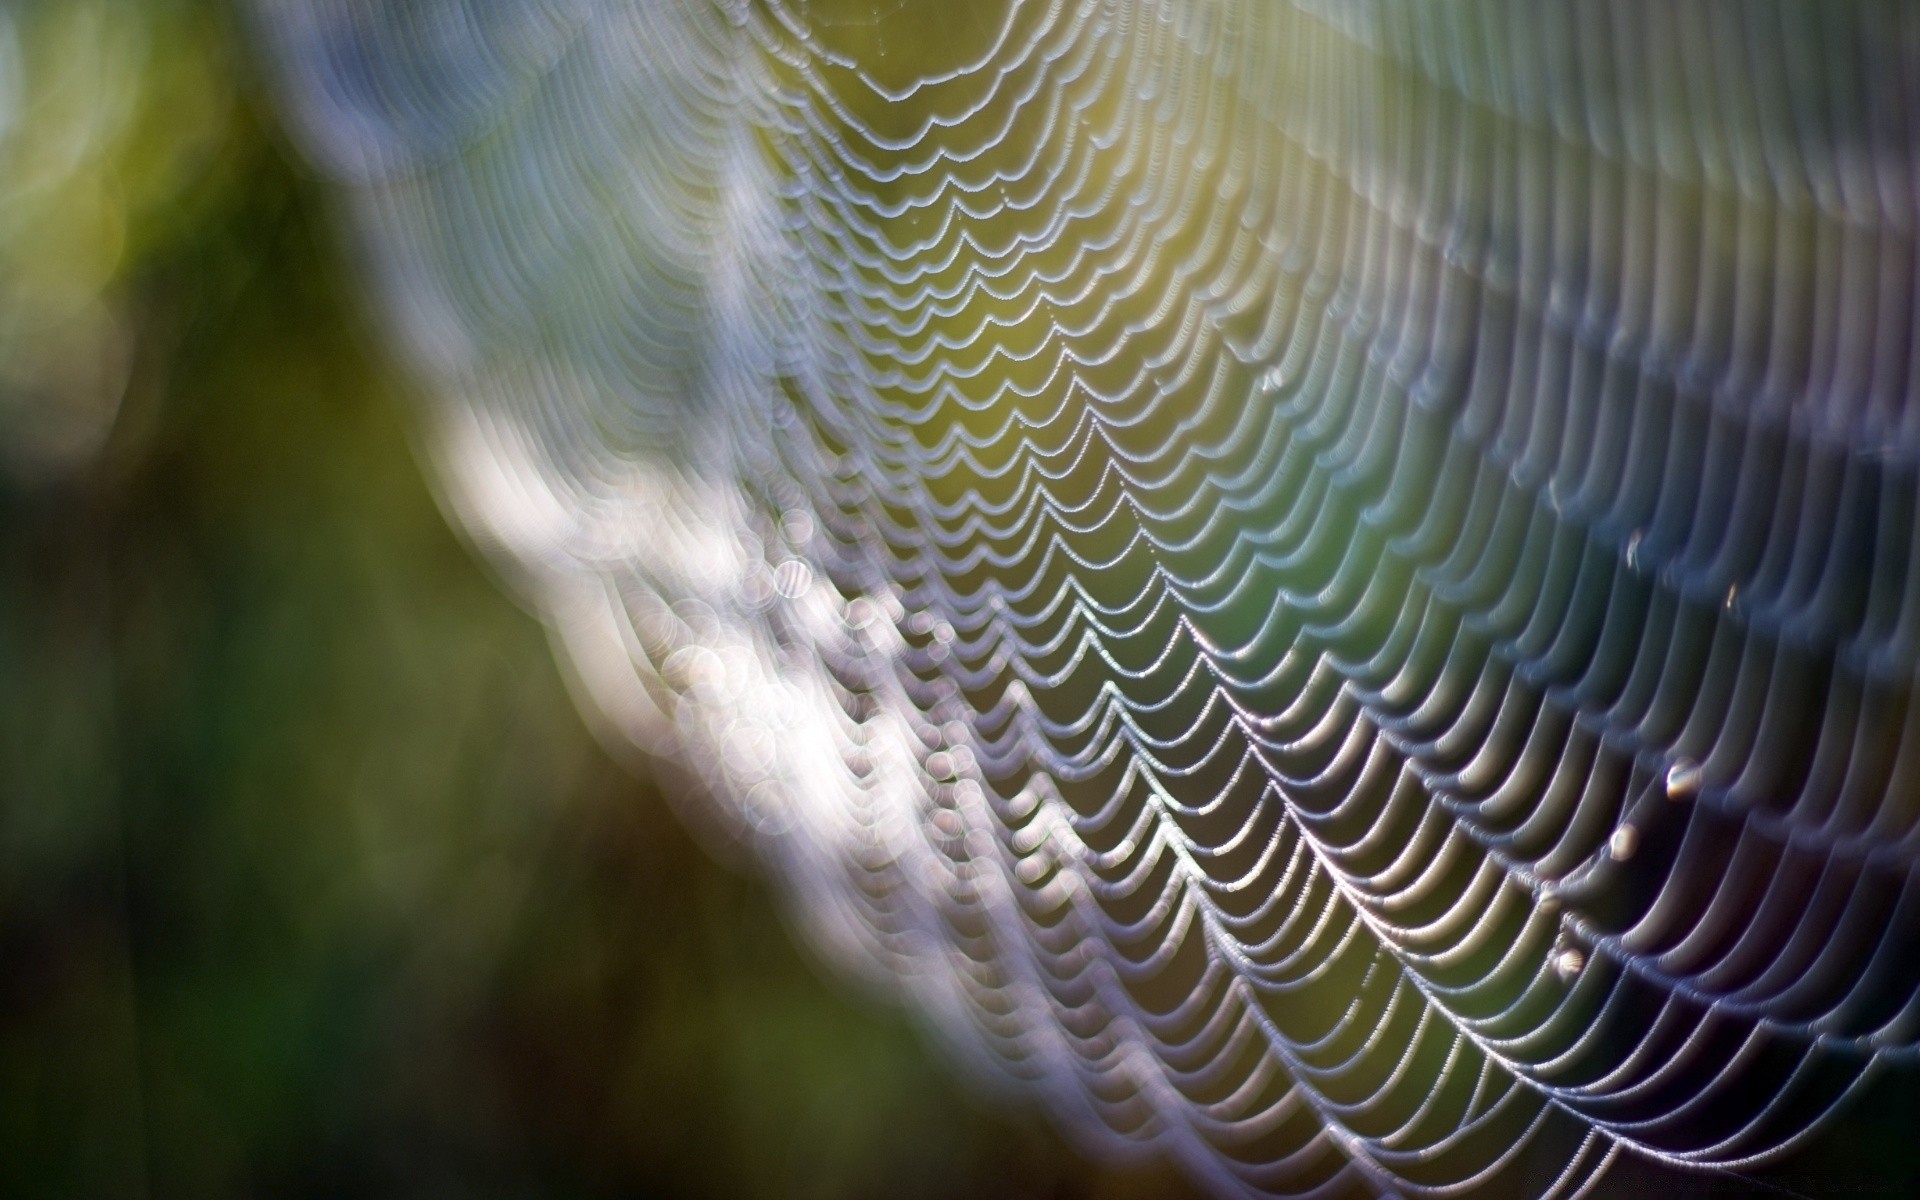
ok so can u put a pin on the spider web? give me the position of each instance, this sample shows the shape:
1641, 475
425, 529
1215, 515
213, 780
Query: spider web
1331, 587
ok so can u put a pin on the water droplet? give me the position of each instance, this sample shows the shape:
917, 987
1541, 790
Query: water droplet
797, 526
1683, 779
1623, 843
793, 579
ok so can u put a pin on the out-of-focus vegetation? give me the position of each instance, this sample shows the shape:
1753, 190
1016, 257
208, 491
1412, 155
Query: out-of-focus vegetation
311, 880
111, 116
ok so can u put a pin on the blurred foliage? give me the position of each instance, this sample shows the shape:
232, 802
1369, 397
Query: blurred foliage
110, 115
311, 880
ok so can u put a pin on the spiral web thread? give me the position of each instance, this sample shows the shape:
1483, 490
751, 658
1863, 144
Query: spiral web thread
1331, 587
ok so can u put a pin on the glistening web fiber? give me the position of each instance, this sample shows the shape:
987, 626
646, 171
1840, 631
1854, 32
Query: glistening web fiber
1330, 587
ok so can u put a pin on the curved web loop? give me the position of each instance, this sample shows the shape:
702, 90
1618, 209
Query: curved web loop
1331, 587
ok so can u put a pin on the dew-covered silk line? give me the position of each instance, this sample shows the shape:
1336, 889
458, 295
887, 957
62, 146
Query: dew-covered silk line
1331, 587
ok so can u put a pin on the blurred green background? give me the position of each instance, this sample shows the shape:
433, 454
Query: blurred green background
311, 880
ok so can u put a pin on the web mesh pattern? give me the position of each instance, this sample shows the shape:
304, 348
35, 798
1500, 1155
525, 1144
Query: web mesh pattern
1331, 587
